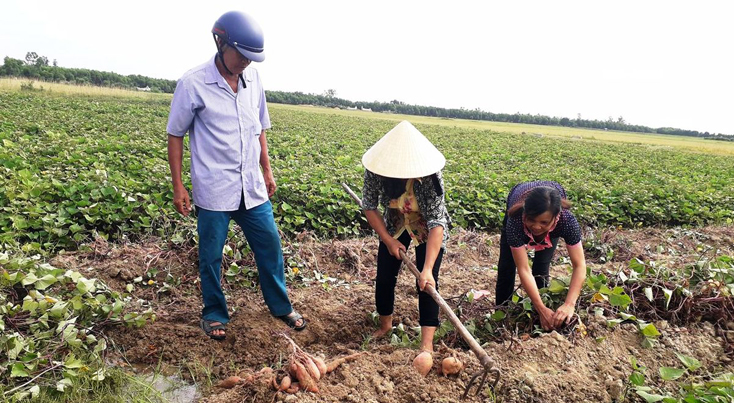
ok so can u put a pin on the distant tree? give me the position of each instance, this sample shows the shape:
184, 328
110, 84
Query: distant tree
12, 67
55, 63
41, 61
330, 93
30, 58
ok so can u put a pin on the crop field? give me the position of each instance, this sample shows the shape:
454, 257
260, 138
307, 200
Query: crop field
655, 140
98, 272
74, 166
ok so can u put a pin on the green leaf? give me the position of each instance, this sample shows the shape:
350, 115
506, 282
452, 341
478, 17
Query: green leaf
671, 374
637, 265
637, 378
691, 363
29, 305
621, 301
101, 346
614, 322
649, 330
498, 316
57, 311
99, 375
18, 371
73, 362
63, 384
626, 316
29, 279
557, 286
650, 398
73, 275
85, 285
45, 282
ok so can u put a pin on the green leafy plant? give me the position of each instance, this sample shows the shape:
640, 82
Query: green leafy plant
50, 326
716, 389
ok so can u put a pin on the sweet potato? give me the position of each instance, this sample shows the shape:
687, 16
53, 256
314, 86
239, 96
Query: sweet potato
230, 382
311, 367
305, 380
293, 388
451, 366
331, 366
321, 364
423, 363
285, 383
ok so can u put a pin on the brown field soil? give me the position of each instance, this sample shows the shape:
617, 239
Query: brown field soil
553, 367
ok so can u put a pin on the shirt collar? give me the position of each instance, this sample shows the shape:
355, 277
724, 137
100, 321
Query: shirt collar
546, 242
212, 76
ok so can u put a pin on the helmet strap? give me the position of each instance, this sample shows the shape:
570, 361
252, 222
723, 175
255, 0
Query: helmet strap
220, 54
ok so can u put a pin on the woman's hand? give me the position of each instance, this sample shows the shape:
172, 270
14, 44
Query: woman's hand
546, 318
394, 247
425, 279
563, 314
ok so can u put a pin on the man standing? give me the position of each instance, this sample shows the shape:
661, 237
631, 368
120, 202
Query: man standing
221, 104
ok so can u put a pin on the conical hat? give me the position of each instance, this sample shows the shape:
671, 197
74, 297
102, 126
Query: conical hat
403, 153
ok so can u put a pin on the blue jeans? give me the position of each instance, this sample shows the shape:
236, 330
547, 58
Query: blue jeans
261, 233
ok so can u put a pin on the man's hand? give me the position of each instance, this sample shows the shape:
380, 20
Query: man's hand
181, 199
546, 318
563, 314
270, 183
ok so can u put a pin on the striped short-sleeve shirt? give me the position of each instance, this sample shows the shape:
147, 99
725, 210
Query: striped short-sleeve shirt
224, 128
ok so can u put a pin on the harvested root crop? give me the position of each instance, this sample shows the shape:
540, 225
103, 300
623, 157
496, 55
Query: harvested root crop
230, 382
331, 366
306, 370
451, 366
423, 363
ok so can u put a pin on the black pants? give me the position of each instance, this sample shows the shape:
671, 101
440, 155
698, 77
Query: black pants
388, 268
506, 268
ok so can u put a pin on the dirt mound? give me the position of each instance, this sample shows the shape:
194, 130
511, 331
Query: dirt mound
338, 300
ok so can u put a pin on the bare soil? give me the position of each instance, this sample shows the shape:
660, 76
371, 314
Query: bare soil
550, 368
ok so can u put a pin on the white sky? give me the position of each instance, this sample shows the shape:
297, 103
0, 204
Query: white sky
656, 63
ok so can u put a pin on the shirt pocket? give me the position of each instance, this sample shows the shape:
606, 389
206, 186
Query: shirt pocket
254, 97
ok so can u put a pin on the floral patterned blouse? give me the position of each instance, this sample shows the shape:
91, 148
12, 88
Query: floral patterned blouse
419, 209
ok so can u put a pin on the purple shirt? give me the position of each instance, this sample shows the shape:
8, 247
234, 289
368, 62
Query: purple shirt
224, 129
566, 226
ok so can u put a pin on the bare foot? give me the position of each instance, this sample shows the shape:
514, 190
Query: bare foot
385, 326
380, 332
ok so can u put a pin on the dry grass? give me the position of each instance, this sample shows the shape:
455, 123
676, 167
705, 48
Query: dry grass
14, 84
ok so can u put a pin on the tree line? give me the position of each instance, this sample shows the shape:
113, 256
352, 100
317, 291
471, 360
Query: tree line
328, 99
38, 68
